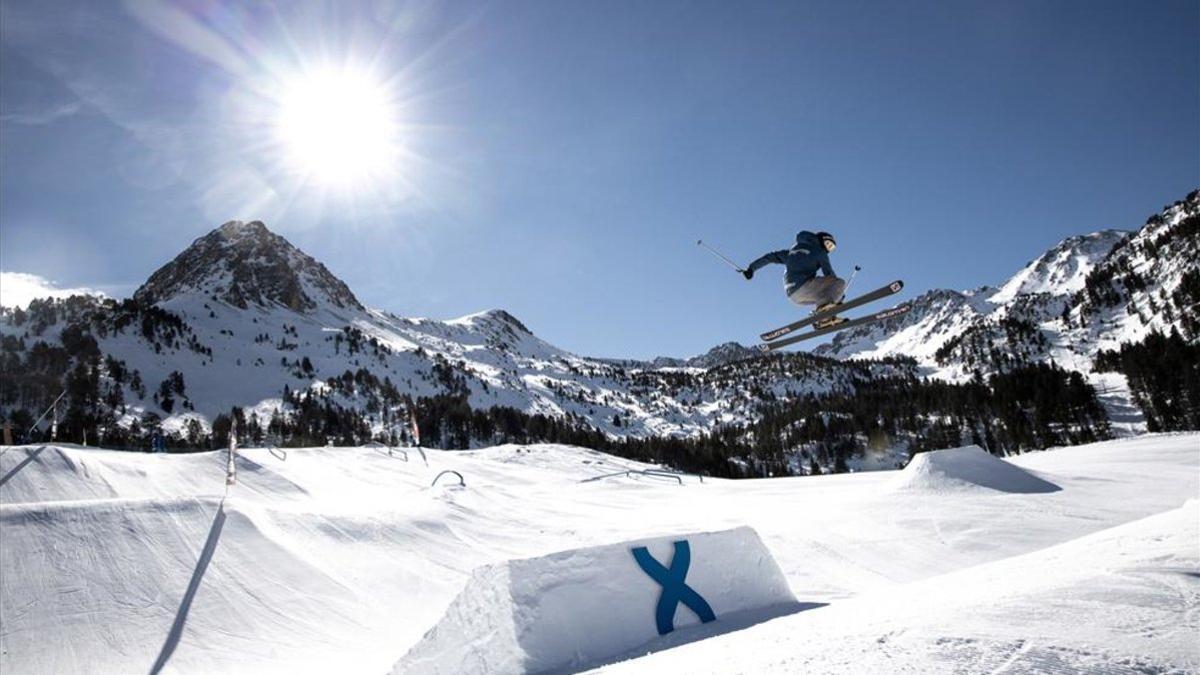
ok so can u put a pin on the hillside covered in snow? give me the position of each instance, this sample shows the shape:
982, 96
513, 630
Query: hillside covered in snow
244, 334
244, 319
1088, 293
1081, 559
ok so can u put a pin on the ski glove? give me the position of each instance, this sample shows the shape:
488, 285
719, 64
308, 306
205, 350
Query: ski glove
749, 274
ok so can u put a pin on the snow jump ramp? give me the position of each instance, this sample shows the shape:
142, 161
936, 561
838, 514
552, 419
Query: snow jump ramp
585, 607
967, 468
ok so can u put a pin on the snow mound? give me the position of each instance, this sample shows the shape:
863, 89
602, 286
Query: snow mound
965, 468
584, 607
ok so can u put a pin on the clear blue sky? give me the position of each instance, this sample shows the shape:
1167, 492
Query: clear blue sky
562, 158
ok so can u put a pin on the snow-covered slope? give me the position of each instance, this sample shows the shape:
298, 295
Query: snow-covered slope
1123, 600
942, 317
1063, 269
937, 317
342, 558
242, 316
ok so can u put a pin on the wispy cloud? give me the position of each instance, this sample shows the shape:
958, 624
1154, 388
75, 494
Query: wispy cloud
18, 289
184, 31
43, 116
77, 46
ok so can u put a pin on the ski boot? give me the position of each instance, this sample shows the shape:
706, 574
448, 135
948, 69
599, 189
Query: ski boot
828, 321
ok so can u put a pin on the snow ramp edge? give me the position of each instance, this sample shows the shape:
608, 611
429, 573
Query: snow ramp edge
585, 607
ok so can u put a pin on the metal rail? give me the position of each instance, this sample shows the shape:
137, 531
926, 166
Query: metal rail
650, 473
52, 406
398, 453
461, 481
664, 474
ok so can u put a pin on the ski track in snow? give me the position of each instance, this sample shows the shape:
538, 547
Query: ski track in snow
342, 558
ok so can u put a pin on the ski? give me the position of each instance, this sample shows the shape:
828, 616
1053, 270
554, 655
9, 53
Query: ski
891, 289
870, 318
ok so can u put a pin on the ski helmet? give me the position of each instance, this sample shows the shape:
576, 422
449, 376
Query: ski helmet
827, 240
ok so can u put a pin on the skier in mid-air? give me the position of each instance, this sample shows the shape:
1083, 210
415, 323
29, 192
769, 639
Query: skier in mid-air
809, 256
803, 261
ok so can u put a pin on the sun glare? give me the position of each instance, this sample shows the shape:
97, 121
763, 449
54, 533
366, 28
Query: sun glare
338, 127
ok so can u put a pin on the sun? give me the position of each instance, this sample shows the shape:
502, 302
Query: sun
338, 127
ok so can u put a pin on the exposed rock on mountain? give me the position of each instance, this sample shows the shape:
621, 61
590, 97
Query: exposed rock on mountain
246, 264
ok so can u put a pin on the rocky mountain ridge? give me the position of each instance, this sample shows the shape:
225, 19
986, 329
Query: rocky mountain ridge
243, 321
1087, 294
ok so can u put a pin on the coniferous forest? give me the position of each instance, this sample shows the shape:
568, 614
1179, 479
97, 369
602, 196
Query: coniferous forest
1164, 375
1030, 407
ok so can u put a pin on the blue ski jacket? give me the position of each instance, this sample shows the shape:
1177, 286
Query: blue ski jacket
802, 261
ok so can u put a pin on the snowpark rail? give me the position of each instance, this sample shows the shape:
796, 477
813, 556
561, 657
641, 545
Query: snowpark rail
651, 473
461, 481
398, 453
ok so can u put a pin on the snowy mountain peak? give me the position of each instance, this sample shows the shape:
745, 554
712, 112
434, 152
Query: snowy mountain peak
727, 352
238, 228
1062, 269
492, 316
722, 354
244, 264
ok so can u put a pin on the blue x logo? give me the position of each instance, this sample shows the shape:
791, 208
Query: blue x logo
674, 591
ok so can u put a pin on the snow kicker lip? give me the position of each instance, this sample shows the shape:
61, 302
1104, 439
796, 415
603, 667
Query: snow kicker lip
586, 607
969, 467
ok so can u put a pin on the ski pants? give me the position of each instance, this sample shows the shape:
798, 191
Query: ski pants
819, 291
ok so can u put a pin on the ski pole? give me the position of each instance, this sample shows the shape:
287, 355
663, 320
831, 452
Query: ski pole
700, 242
850, 281
852, 275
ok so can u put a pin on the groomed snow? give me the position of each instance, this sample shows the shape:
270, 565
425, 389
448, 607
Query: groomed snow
343, 558
1123, 600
